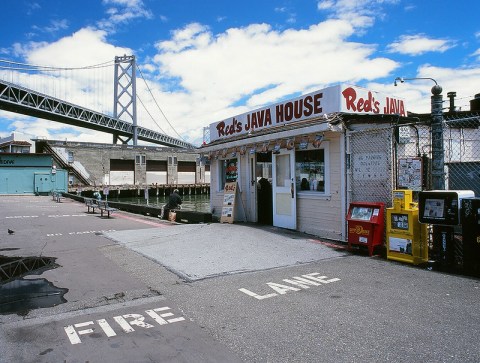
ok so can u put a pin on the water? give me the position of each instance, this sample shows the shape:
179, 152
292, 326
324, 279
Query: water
193, 202
20, 296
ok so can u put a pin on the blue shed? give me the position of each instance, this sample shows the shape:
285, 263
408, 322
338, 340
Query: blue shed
30, 174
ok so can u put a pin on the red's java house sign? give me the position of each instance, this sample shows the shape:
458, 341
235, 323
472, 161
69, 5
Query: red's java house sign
340, 98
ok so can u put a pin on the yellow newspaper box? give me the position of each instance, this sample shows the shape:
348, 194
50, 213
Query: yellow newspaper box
406, 236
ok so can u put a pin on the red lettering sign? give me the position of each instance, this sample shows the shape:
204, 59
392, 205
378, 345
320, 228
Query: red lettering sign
225, 130
360, 105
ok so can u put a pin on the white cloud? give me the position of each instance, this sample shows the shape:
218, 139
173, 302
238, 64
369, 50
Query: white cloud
417, 93
84, 47
258, 65
55, 25
198, 77
360, 13
122, 12
476, 54
419, 44
214, 76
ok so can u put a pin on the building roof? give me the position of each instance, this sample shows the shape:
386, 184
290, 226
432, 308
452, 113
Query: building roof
331, 122
16, 143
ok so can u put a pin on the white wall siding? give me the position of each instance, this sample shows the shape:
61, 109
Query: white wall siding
156, 177
122, 177
186, 177
322, 215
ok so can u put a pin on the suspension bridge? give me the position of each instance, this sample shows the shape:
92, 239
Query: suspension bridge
122, 123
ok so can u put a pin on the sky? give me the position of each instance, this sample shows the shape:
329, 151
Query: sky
204, 61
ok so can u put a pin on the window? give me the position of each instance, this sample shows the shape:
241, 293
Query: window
228, 172
70, 156
140, 159
172, 160
310, 170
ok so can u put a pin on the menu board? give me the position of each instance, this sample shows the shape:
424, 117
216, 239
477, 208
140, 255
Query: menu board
229, 197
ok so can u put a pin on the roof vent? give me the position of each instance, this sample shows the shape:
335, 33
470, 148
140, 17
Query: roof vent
475, 103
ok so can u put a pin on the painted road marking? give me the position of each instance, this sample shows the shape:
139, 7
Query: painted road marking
79, 233
126, 323
66, 215
49, 216
12, 217
303, 282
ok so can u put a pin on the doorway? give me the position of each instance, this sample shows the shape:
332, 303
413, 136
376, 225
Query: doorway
284, 194
263, 181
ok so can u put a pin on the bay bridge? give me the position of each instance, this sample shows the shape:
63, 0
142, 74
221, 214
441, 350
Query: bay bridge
26, 101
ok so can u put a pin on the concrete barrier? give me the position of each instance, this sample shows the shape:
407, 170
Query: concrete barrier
183, 216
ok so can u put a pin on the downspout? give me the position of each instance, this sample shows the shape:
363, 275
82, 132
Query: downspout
346, 180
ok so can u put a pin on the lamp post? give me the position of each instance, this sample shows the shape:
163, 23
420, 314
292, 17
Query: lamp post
436, 127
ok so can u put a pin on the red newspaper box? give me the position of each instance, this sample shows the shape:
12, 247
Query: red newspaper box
366, 224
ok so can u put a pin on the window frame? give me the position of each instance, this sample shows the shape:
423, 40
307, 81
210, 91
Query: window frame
312, 194
222, 177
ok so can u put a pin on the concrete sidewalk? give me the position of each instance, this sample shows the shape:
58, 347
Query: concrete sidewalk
200, 251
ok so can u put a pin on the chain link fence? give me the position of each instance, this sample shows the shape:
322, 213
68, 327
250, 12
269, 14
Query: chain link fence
370, 173
383, 158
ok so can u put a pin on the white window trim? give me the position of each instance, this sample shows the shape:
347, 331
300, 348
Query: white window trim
319, 195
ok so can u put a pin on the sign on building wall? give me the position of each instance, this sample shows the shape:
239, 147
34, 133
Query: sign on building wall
410, 173
229, 198
339, 98
370, 166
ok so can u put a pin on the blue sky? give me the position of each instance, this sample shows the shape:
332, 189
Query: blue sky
212, 59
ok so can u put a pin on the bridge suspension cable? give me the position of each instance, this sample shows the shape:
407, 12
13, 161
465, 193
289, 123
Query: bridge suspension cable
64, 83
156, 103
18, 66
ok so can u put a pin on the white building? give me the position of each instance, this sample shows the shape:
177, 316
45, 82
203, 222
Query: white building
299, 163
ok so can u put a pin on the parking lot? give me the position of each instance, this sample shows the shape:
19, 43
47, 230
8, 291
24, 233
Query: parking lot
145, 290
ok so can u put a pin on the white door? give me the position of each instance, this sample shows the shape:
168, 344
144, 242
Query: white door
284, 196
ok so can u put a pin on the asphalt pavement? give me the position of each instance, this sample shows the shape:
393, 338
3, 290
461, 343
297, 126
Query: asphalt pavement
145, 290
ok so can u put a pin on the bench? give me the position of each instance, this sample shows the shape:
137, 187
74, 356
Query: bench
57, 197
90, 203
103, 206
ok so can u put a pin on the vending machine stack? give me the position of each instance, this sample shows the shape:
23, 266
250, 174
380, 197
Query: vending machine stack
441, 208
470, 218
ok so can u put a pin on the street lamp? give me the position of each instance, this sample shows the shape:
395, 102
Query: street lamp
436, 127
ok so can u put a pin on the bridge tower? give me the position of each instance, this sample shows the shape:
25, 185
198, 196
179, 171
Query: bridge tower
125, 94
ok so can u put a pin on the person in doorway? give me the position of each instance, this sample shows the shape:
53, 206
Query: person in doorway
174, 202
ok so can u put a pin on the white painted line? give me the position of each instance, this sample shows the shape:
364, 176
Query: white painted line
126, 323
79, 233
73, 335
66, 215
256, 296
138, 320
106, 328
303, 282
17, 217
